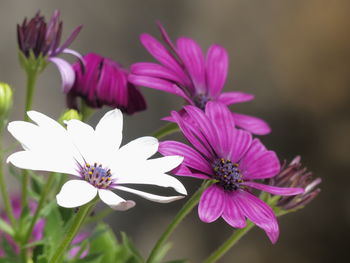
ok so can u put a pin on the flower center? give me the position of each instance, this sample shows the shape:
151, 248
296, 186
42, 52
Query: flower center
227, 173
96, 175
201, 100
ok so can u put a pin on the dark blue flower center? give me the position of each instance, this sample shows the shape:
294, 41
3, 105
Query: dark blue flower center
227, 173
200, 100
96, 175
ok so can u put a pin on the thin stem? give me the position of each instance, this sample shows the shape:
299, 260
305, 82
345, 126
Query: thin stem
31, 81
237, 235
167, 129
185, 210
72, 231
41, 203
5, 195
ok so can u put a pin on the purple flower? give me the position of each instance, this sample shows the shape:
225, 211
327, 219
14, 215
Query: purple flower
234, 159
186, 72
294, 175
101, 81
42, 40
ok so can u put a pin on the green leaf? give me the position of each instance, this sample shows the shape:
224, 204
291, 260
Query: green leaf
91, 258
105, 243
5, 227
178, 261
167, 129
128, 243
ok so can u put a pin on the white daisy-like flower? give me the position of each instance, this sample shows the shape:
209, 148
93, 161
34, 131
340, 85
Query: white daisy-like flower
94, 156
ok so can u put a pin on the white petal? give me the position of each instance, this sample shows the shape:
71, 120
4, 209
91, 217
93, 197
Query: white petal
114, 201
151, 197
76, 193
83, 137
164, 164
28, 134
136, 150
43, 162
44, 121
108, 133
66, 71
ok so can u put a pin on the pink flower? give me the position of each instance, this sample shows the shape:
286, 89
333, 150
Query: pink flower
101, 81
186, 72
235, 160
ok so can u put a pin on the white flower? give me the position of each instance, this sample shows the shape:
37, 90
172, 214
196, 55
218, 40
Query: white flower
94, 157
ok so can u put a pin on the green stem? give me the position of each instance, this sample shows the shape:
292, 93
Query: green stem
73, 230
237, 235
5, 195
31, 81
167, 129
185, 210
41, 203
86, 111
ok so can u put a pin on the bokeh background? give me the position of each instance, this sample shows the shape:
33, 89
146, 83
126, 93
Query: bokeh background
293, 54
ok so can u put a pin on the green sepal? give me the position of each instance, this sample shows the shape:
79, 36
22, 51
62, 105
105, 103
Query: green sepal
32, 64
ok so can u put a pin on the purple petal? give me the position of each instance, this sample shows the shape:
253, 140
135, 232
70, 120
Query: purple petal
285, 191
166, 37
38, 230
211, 204
69, 40
158, 84
192, 158
193, 135
203, 122
74, 53
240, 144
136, 101
183, 170
234, 97
232, 213
258, 212
160, 53
66, 71
259, 163
216, 69
192, 56
155, 70
251, 124
224, 125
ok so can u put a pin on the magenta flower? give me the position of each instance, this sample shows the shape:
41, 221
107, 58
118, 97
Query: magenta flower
42, 39
101, 81
234, 159
186, 72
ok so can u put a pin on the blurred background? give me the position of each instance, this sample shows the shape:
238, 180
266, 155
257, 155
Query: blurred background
294, 55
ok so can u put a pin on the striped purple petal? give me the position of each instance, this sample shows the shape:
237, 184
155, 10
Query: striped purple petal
158, 84
258, 212
232, 213
155, 70
234, 97
251, 124
216, 69
192, 56
160, 53
259, 163
284, 191
224, 125
211, 204
192, 158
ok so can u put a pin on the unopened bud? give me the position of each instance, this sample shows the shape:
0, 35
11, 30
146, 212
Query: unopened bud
5, 100
70, 115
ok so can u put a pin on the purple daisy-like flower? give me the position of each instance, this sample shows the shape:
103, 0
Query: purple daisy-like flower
102, 81
42, 39
235, 160
185, 71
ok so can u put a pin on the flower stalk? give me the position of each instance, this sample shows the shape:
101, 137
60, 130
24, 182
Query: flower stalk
185, 210
83, 212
